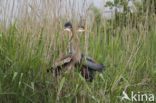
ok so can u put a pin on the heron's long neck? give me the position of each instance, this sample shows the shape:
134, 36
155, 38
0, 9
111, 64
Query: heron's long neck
78, 50
71, 49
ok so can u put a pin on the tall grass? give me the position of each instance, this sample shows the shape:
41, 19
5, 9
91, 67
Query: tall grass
35, 39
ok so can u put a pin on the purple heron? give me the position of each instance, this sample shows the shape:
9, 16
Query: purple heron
75, 58
89, 65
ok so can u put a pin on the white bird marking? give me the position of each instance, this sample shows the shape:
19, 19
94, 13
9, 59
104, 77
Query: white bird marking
67, 29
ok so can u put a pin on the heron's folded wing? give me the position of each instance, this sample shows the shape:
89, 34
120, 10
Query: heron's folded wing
92, 65
88, 58
64, 60
64, 57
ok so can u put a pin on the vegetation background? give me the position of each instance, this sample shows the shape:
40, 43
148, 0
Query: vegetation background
32, 39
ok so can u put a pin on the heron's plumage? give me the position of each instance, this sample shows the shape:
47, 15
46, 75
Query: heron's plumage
91, 64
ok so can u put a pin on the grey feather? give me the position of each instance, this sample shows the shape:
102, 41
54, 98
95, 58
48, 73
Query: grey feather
91, 64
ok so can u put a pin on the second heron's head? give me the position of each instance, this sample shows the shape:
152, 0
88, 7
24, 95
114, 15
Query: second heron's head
82, 29
68, 26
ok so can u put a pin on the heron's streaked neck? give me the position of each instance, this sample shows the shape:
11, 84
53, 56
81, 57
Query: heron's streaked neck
78, 50
71, 49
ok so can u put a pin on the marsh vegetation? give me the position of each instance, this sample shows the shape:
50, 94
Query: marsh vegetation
31, 39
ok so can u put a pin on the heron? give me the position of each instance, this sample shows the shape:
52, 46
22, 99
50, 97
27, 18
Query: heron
73, 57
89, 64
76, 58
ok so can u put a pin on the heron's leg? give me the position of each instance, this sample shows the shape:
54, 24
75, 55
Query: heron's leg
69, 69
84, 73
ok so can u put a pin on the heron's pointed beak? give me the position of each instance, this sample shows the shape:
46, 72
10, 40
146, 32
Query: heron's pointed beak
88, 31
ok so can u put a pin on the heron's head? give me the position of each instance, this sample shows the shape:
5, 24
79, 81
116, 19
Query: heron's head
68, 26
82, 29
